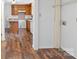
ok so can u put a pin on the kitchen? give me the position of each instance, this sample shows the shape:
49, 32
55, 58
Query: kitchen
13, 16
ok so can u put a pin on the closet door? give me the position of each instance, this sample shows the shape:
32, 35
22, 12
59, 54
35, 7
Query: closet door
14, 26
46, 22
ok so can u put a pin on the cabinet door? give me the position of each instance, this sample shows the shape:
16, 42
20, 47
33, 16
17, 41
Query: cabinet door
21, 7
14, 27
28, 9
28, 25
16, 8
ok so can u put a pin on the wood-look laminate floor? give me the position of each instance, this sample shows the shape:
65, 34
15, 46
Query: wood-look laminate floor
19, 46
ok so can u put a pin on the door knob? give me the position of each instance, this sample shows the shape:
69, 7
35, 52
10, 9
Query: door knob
64, 23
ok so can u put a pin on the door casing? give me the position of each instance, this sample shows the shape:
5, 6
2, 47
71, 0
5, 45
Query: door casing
57, 30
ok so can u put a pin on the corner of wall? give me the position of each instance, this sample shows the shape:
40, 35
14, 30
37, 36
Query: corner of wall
70, 51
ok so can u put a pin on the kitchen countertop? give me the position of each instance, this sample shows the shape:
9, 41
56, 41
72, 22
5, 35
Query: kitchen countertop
28, 16
15, 18
18, 20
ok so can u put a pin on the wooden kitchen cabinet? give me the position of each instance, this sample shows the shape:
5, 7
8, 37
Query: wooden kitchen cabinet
28, 9
14, 10
13, 26
23, 7
28, 25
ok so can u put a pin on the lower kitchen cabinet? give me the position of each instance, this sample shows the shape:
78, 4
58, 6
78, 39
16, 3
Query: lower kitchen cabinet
28, 25
13, 26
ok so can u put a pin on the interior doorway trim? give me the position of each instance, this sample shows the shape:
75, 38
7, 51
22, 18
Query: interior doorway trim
35, 24
57, 24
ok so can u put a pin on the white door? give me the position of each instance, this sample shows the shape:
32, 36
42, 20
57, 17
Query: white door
69, 26
45, 23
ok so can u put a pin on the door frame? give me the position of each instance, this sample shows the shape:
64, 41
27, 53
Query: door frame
35, 14
57, 24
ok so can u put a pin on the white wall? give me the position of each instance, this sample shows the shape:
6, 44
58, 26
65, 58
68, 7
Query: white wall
7, 13
2, 21
69, 31
45, 23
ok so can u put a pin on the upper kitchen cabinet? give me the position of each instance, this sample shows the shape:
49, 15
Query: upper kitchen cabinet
27, 8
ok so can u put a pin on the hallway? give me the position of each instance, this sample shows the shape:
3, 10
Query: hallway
20, 47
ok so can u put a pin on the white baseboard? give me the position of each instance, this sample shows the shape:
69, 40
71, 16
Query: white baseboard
70, 51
